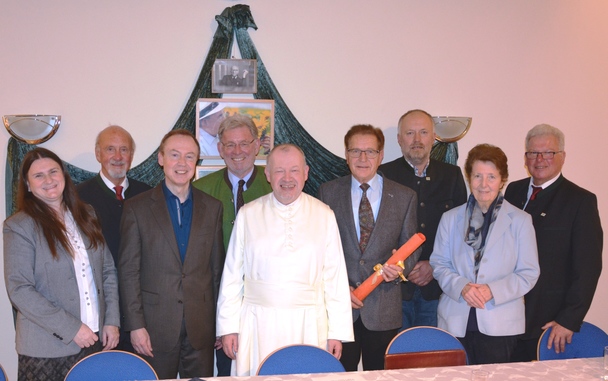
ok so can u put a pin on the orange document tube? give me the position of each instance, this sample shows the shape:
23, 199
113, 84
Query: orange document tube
375, 279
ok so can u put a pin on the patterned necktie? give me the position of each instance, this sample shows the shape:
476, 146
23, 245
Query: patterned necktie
535, 191
118, 190
366, 218
239, 195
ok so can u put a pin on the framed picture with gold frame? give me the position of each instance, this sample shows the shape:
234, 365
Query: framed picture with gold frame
210, 112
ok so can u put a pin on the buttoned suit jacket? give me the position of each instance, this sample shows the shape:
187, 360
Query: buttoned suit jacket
509, 267
157, 291
395, 224
44, 290
570, 241
440, 190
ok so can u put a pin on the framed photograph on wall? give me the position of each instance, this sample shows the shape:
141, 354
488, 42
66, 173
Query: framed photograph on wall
210, 112
234, 76
204, 170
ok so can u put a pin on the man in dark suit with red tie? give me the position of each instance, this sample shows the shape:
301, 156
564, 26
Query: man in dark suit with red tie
569, 238
114, 149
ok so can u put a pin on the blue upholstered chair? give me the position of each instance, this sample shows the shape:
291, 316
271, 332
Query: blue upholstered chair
297, 359
424, 347
3, 376
111, 366
588, 342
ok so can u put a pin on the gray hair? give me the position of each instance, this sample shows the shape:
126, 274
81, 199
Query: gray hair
546, 130
236, 121
285, 147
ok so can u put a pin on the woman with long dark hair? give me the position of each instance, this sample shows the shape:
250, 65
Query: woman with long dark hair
59, 273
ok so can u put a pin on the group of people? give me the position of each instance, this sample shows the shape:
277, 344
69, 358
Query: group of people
243, 262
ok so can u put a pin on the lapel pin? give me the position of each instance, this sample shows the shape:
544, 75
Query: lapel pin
543, 214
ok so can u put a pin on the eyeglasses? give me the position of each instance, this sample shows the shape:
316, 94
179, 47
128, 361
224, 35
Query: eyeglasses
370, 153
242, 145
544, 155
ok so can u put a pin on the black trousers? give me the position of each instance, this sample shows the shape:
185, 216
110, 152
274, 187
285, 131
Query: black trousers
484, 349
369, 345
223, 363
525, 350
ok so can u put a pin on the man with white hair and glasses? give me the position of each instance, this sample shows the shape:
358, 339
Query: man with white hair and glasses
569, 238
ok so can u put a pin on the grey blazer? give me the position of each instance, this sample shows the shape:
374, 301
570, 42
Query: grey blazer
395, 224
45, 293
157, 291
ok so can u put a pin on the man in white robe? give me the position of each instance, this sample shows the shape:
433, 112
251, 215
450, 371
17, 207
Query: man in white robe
284, 279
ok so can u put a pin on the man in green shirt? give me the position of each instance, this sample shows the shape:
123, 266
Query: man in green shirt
240, 182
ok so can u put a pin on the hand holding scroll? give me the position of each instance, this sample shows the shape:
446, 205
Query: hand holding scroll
376, 278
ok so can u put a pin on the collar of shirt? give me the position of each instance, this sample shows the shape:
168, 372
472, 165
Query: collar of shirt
423, 174
374, 195
181, 218
544, 186
109, 184
177, 209
234, 180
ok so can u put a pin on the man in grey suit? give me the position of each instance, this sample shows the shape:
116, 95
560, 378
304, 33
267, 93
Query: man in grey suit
375, 217
171, 259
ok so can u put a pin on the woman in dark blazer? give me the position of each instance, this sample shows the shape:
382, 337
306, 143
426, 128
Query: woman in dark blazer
59, 273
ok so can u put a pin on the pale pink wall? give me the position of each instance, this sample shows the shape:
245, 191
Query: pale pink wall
509, 65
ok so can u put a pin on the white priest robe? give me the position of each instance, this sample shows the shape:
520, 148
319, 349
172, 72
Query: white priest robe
284, 280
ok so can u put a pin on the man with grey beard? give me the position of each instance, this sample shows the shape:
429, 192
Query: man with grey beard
106, 192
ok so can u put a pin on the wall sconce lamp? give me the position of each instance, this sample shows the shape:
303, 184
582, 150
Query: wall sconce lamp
32, 129
450, 129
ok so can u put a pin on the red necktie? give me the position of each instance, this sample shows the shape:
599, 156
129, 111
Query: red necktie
535, 191
118, 190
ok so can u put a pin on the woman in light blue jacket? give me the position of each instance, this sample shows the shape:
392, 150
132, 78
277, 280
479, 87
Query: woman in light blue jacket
485, 261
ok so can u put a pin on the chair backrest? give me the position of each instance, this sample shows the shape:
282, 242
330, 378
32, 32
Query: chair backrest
424, 347
3, 376
298, 359
111, 366
588, 342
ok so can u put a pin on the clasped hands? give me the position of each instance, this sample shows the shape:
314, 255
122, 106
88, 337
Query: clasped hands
476, 295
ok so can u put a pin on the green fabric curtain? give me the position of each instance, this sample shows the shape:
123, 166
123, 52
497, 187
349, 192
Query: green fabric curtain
234, 21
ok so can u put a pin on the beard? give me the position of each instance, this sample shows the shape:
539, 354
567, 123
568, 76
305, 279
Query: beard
117, 173
417, 156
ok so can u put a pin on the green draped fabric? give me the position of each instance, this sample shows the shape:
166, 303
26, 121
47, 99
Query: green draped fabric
234, 21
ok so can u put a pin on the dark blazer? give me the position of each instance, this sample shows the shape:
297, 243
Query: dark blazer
108, 209
570, 239
442, 189
395, 224
45, 292
158, 292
